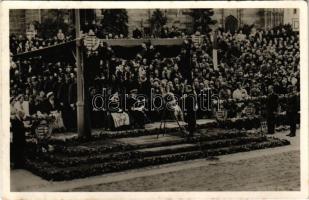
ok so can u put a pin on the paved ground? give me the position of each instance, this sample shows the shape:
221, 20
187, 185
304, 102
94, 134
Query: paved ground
267, 169
265, 173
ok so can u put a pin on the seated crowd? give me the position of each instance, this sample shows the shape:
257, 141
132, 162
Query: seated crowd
248, 64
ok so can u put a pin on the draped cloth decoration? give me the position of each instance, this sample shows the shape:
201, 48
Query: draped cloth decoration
120, 119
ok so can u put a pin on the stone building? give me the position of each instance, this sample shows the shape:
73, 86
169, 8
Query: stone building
291, 16
229, 19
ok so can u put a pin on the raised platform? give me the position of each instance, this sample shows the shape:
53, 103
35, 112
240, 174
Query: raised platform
150, 129
71, 160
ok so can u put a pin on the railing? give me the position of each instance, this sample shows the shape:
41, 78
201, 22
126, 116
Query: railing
138, 42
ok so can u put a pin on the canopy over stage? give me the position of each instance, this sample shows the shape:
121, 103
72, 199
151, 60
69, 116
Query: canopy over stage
123, 48
50, 51
138, 42
128, 48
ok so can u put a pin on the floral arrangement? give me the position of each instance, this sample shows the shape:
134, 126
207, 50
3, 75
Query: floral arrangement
49, 171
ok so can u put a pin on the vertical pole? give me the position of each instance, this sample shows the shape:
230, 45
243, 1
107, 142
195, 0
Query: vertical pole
271, 18
80, 79
215, 50
222, 19
265, 18
40, 16
150, 28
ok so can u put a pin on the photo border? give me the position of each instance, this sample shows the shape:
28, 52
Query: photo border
5, 112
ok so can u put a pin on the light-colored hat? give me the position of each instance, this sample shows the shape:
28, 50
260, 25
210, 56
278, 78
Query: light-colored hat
133, 91
19, 96
49, 94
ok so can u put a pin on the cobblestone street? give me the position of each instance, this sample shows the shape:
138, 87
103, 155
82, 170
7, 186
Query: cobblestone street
268, 173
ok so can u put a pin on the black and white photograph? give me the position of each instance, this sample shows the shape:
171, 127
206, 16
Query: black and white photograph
196, 99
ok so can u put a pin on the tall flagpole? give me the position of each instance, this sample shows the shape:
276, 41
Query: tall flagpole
80, 79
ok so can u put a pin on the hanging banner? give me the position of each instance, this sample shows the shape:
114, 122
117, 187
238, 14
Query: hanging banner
91, 42
264, 126
197, 39
221, 115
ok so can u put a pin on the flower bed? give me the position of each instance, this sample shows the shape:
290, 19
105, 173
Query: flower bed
61, 160
86, 148
50, 172
102, 134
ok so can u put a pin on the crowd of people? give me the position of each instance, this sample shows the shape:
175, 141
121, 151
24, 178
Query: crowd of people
21, 43
247, 65
137, 33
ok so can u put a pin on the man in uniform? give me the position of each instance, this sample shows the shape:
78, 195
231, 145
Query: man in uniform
292, 109
190, 106
271, 107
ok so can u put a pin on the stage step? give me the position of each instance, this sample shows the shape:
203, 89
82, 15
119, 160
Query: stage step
151, 129
100, 146
51, 172
61, 160
167, 149
64, 160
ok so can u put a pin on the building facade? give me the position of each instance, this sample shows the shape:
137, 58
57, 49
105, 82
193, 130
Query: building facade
229, 19
291, 16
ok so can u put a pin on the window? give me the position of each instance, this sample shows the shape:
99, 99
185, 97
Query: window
295, 23
295, 11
